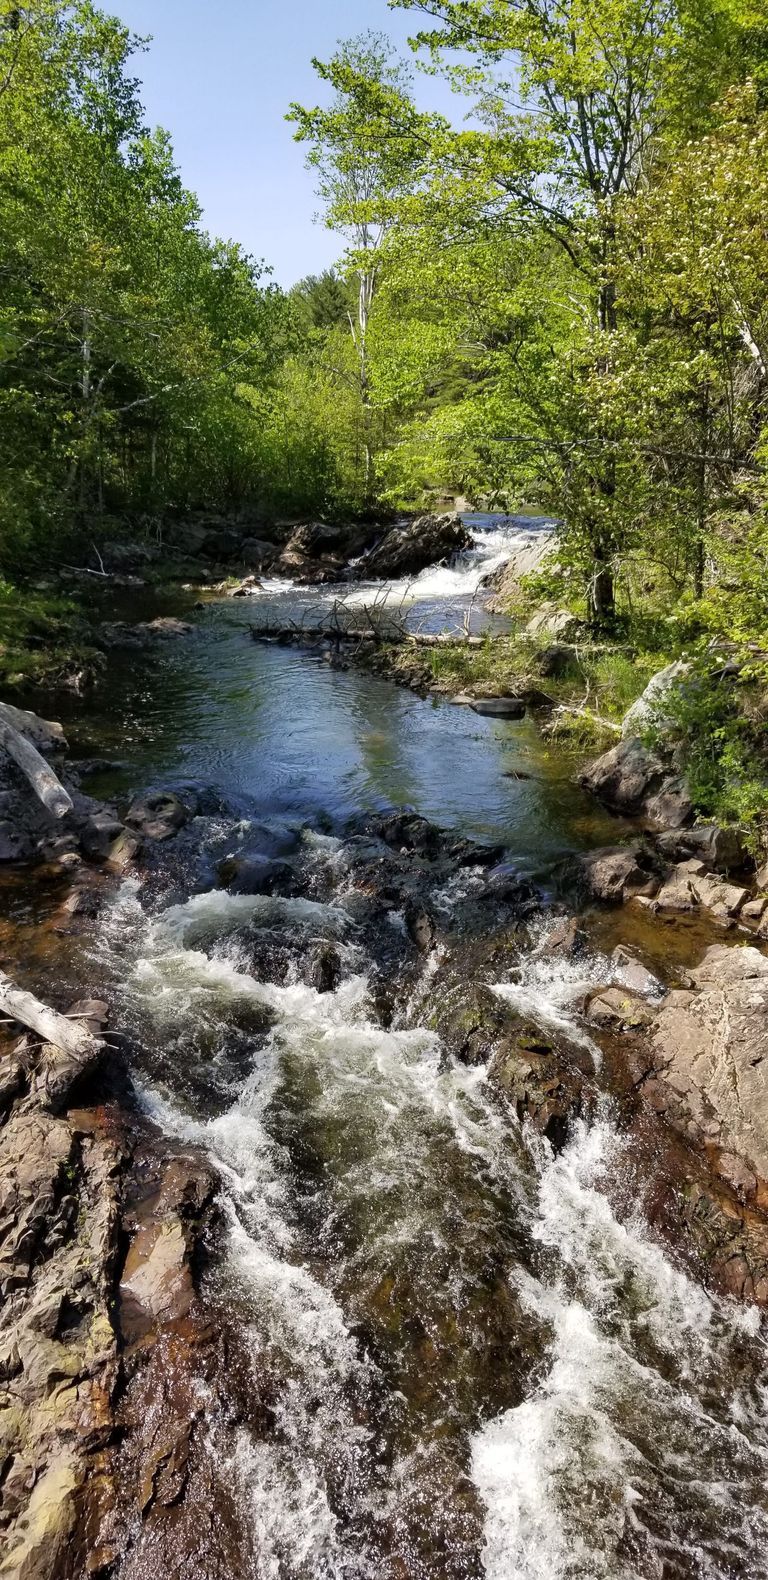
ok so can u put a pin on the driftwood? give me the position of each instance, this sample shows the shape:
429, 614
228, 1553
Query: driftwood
339, 633
41, 776
71, 1049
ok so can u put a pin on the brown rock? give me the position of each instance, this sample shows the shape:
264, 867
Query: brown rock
712, 1047
617, 1006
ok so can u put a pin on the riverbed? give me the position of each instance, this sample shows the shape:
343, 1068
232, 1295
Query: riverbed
479, 1359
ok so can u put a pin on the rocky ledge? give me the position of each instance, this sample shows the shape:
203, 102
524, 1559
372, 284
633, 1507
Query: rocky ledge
107, 1351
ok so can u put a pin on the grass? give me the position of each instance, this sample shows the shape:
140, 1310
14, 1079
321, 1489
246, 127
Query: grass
602, 683
43, 638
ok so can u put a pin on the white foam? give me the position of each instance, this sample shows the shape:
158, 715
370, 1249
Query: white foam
464, 576
548, 990
564, 1474
216, 913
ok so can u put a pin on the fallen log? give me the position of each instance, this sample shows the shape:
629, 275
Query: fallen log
70, 1049
47, 787
46, 735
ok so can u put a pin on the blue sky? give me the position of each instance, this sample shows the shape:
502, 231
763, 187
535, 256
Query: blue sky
220, 78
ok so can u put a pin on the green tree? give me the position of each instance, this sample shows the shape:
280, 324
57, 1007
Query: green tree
362, 172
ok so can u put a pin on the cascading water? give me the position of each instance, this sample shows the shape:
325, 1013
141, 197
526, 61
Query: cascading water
477, 1359
521, 539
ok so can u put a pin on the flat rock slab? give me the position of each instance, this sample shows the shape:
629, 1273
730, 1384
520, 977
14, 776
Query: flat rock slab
712, 1049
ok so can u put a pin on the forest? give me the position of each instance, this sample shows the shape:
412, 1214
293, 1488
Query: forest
555, 301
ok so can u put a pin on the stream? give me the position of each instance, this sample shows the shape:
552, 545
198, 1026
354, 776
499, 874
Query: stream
478, 1359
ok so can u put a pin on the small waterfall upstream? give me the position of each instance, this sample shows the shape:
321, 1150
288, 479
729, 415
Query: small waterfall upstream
474, 1358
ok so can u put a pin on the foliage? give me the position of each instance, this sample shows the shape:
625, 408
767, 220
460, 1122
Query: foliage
719, 724
126, 333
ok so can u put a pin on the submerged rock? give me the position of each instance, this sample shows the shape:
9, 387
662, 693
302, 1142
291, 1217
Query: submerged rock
613, 873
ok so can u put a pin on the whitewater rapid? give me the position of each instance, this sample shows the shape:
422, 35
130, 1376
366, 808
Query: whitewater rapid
401, 1253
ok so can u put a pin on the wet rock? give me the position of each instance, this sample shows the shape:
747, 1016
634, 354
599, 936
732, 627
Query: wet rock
711, 1049
618, 1006
630, 973
249, 587
124, 851
613, 873
325, 969
567, 938
407, 831
317, 552
98, 833
408, 549
421, 927
499, 707
540, 1083
256, 874
505, 886
159, 815
469, 1019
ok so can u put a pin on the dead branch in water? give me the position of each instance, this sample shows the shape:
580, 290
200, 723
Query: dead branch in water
70, 1048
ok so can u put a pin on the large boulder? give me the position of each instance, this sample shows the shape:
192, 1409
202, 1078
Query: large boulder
612, 873
719, 848
409, 548
711, 1049
632, 779
652, 709
549, 621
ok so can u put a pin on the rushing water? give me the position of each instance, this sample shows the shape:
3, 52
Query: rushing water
476, 1359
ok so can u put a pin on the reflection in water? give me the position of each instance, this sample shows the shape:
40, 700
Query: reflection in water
282, 732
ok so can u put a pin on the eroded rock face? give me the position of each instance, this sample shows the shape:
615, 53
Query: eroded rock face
408, 549
106, 1353
711, 1048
